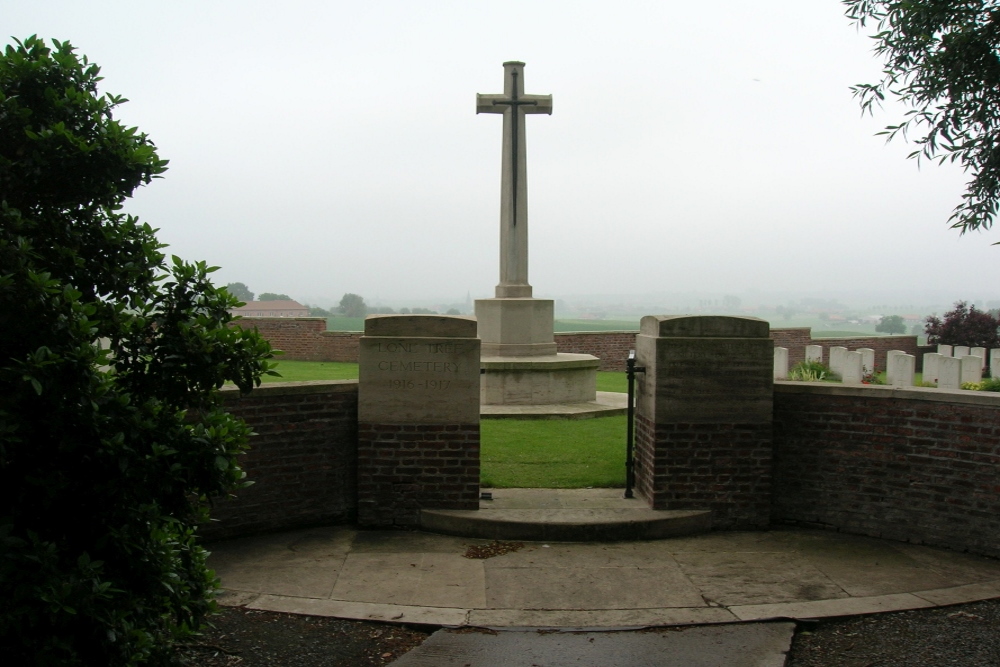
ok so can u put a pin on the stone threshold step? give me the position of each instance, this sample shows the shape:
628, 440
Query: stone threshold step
567, 524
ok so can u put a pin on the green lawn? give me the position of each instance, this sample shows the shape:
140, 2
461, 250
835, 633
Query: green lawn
559, 454
304, 371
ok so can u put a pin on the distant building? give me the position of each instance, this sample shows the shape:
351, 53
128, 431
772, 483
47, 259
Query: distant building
281, 308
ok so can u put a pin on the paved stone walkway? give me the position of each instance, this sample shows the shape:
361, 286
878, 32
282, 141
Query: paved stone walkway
714, 578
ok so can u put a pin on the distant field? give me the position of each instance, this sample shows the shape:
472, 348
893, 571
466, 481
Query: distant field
596, 325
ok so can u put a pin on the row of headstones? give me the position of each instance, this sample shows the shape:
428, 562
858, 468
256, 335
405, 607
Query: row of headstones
949, 367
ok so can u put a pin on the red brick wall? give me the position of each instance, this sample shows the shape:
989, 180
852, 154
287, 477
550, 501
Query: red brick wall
407, 467
913, 465
611, 347
303, 462
306, 338
725, 468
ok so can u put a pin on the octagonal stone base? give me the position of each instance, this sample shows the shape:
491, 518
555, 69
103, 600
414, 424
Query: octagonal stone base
541, 380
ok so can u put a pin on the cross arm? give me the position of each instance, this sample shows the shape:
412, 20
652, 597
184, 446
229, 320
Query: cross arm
500, 103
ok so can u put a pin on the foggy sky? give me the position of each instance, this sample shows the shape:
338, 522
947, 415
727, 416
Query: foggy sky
318, 148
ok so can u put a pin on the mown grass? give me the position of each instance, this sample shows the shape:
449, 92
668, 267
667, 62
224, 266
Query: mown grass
553, 454
305, 371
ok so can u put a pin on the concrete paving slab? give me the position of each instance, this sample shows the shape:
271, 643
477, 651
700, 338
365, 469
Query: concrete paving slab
421, 579
961, 594
826, 608
587, 619
744, 578
749, 645
362, 611
711, 578
589, 588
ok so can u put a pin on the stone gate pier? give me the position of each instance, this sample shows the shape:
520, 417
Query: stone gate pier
418, 417
704, 416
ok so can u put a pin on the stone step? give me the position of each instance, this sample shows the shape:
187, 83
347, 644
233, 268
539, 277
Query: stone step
565, 515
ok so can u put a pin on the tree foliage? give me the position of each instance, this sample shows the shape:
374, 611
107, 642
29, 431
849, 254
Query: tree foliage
891, 324
352, 305
271, 296
240, 291
964, 325
942, 60
112, 436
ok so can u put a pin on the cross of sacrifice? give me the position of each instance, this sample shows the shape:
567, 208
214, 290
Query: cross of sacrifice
513, 104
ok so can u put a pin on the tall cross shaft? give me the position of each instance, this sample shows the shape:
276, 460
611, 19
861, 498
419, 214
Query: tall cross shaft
513, 104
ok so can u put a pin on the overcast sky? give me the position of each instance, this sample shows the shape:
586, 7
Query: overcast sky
318, 148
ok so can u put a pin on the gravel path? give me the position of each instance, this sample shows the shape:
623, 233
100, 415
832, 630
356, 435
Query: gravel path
966, 635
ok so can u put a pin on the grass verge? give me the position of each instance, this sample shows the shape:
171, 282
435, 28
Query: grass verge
553, 454
304, 371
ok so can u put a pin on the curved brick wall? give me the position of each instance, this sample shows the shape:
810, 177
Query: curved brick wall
918, 465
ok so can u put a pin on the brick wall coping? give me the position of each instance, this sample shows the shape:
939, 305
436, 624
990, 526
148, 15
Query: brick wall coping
230, 392
990, 399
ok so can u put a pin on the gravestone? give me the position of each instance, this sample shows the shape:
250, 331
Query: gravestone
851, 368
903, 370
418, 418
932, 366
703, 417
972, 368
814, 353
950, 373
981, 353
959, 351
781, 363
867, 360
944, 350
837, 359
889, 366
995, 363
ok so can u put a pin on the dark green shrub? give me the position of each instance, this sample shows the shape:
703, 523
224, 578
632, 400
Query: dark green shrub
107, 456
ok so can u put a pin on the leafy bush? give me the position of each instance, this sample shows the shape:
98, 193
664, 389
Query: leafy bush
990, 384
809, 371
109, 451
963, 325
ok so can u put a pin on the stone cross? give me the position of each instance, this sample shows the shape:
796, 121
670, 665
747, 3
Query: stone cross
513, 104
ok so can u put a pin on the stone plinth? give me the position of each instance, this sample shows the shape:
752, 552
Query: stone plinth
418, 418
516, 327
552, 379
703, 417
519, 360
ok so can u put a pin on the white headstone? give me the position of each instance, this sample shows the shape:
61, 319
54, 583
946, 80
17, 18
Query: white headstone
888, 365
867, 360
979, 352
932, 366
944, 350
950, 373
972, 369
837, 359
995, 363
903, 368
814, 353
960, 351
851, 368
781, 363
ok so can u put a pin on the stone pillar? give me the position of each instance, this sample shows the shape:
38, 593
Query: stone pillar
781, 363
703, 417
418, 418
